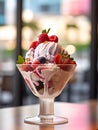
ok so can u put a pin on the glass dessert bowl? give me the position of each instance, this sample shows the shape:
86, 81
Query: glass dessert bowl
46, 81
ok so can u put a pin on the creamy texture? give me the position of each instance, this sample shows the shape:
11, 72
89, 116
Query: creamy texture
47, 50
30, 54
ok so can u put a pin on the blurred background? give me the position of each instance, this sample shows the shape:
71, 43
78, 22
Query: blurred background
22, 21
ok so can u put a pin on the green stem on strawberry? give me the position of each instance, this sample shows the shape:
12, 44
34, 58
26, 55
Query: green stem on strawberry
46, 31
64, 55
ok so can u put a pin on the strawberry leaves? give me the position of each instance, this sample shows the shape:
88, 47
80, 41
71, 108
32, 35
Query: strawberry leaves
46, 31
63, 58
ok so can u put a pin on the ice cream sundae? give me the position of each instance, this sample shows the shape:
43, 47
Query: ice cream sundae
47, 67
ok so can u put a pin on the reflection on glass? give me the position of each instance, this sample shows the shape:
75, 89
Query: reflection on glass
46, 82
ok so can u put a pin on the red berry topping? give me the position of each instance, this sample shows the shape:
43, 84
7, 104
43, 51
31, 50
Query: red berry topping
26, 67
57, 58
43, 37
34, 44
66, 61
35, 64
53, 38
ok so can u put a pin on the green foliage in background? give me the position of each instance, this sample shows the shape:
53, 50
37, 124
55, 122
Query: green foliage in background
33, 25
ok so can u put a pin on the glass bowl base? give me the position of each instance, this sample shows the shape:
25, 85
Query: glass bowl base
55, 120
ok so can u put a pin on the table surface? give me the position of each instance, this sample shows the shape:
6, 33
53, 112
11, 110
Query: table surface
82, 116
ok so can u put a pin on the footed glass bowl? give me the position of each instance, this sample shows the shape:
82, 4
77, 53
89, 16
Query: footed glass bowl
46, 81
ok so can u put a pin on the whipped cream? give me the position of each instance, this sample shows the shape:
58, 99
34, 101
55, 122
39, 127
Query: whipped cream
46, 49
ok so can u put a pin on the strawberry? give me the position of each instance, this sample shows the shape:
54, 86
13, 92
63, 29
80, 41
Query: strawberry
57, 58
53, 38
26, 67
43, 37
34, 44
35, 64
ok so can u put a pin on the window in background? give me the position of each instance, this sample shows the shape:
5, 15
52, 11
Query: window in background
7, 50
70, 20
2, 17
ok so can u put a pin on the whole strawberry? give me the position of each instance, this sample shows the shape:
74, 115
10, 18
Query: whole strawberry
53, 38
43, 37
58, 58
34, 44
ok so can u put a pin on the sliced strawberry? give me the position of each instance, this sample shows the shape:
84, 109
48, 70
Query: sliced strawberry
34, 44
35, 64
43, 37
57, 58
53, 38
26, 67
